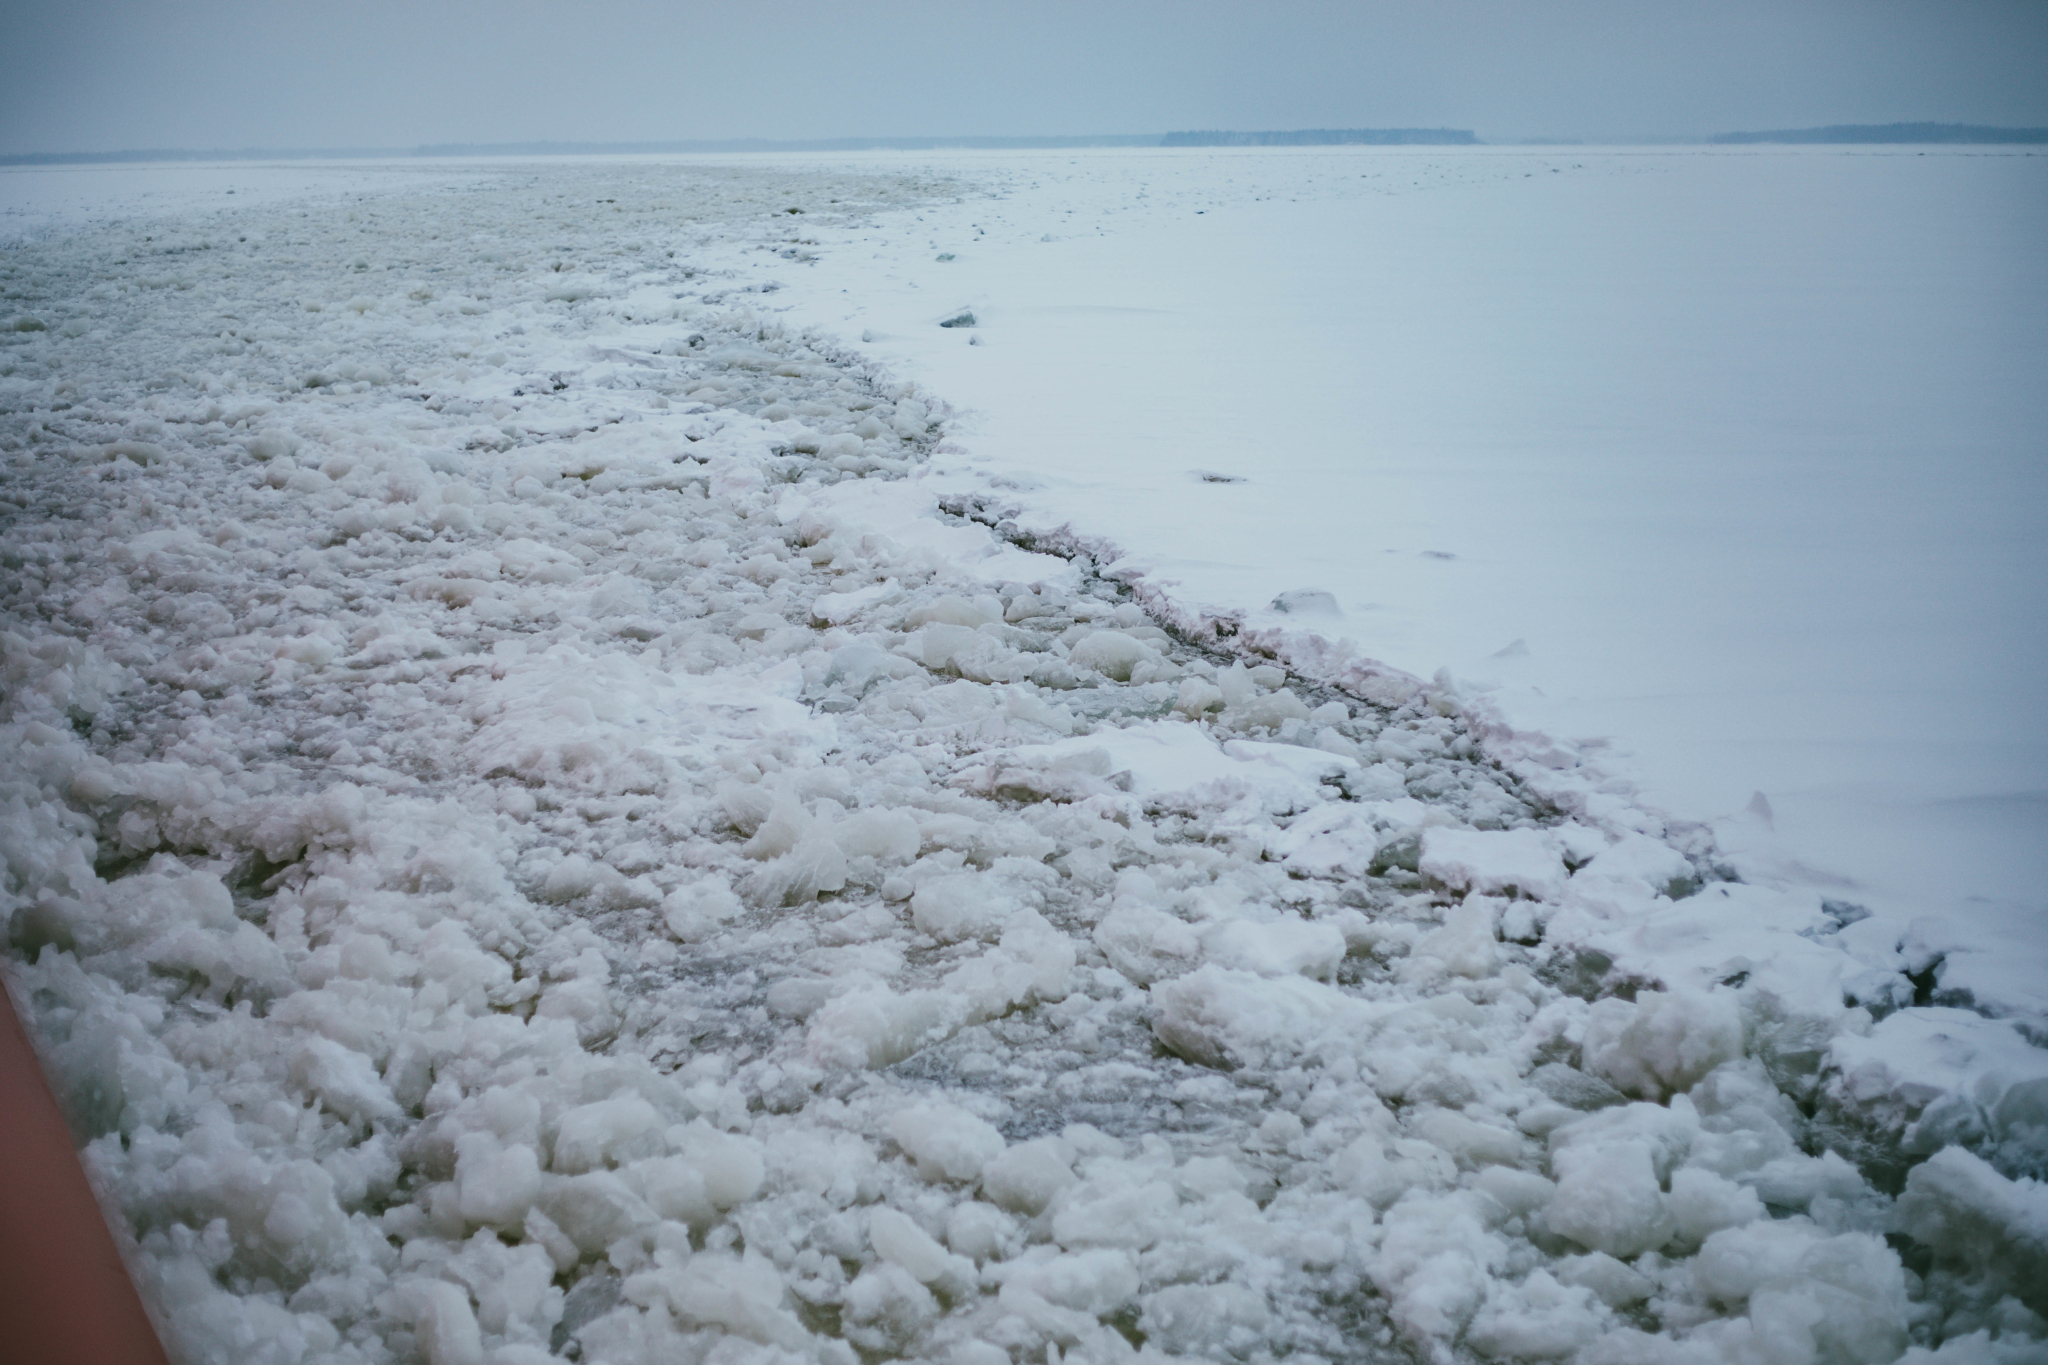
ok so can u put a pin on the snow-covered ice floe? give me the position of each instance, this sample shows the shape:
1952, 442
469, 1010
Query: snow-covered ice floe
533, 831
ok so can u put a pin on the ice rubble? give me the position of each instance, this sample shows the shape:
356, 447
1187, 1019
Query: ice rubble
527, 837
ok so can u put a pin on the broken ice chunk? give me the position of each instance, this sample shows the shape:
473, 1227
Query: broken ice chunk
1492, 861
1307, 602
1661, 1044
946, 1142
961, 906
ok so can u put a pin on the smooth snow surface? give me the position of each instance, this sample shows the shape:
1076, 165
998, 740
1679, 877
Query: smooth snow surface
1724, 468
552, 813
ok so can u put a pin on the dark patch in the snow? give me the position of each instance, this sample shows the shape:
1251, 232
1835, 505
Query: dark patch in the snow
1208, 476
1431, 782
1678, 888
1844, 913
1926, 980
1573, 1088
1793, 1051
1864, 1144
962, 319
35, 927
255, 879
1588, 974
1438, 554
1125, 1084
1350, 1322
111, 862
596, 1294
1839, 915
1916, 1257
1404, 853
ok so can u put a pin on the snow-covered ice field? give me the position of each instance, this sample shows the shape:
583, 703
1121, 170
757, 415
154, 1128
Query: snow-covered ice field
1729, 468
34, 198
580, 778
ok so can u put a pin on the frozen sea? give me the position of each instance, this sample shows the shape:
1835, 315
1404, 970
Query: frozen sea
1397, 755
1729, 468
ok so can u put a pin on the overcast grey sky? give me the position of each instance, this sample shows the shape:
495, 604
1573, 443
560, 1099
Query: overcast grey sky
101, 75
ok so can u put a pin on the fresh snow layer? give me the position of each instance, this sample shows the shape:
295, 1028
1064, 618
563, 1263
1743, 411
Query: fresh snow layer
1720, 470
538, 825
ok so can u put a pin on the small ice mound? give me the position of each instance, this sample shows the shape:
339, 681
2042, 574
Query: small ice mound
272, 444
1028, 1177
1538, 1319
694, 910
1307, 602
1222, 1319
905, 1245
1197, 698
1077, 1287
343, 1080
876, 1026
1147, 944
1809, 1295
1644, 864
964, 905
1931, 1076
964, 318
1971, 1217
1514, 649
593, 1136
1121, 656
952, 610
1465, 945
1493, 861
1222, 1017
800, 856
1661, 1044
495, 1184
946, 1142
739, 1296
1380, 1169
1608, 1199
885, 835
1282, 947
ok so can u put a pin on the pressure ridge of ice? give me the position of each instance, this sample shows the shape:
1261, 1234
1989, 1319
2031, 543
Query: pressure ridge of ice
530, 834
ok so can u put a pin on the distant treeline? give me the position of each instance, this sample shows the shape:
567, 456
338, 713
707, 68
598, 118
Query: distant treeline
1329, 137
1891, 132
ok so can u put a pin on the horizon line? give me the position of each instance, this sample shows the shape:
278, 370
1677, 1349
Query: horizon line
1846, 134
